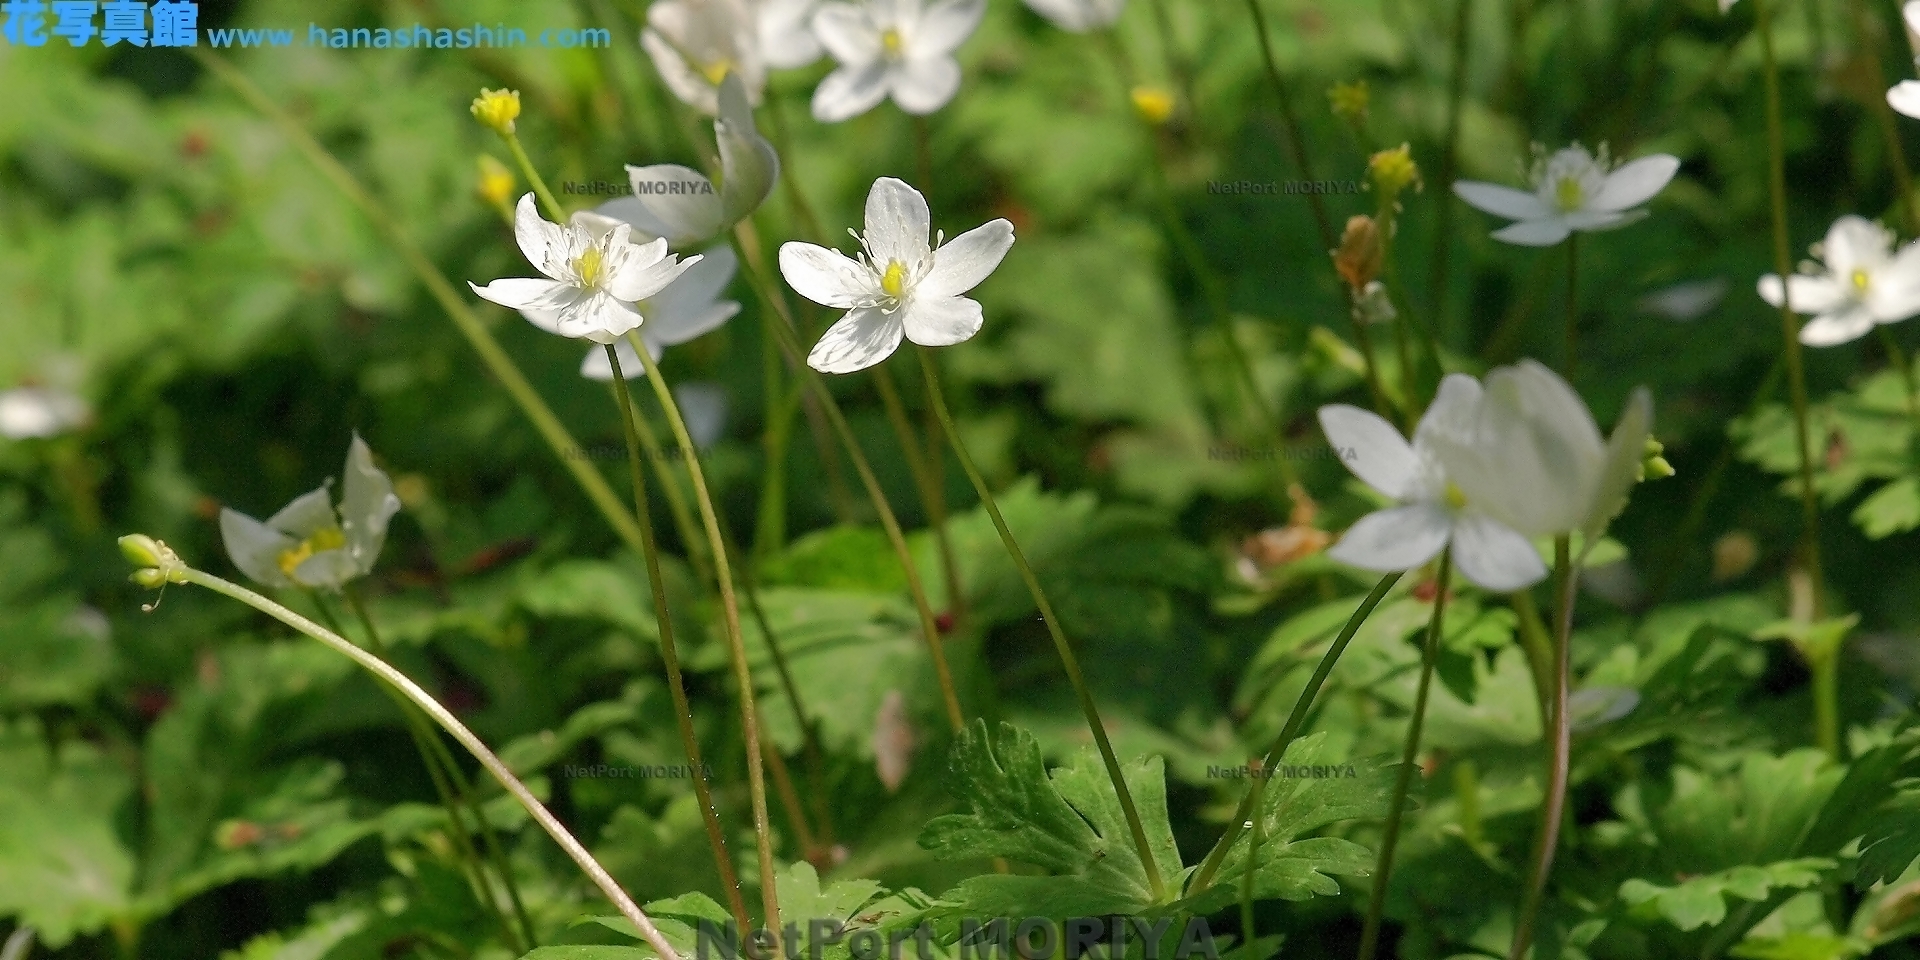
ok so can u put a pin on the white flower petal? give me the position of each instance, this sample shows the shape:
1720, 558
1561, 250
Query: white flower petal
1534, 233
1835, 327
1808, 294
897, 223
1501, 201
827, 277
922, 86
1635, 183
963, 262
1397, 538
39, 412
689, 306
686, 83
1911, 13
704, 407
1372, 448
748, 163
308, 514
943, 27
526, 293
544, 243
847, 33
1855, 243
1079, 16
638, 272
330, 569
1893, 292
679, 198
786, 35
1601, 219
599, 318
940, 322
862, 338
850, 91
596, 367
254, 547
1493, 556
1626, 452
367, 504
642, 225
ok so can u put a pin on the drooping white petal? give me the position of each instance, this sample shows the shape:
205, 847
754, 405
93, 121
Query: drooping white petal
1686, 301
1534, 233
1493, 556
827, 277
598, 317
680, 199
940, 322
690, 305
1626, 452
897, 223
1635, 183
681, 78
1501, 201
1809, 294
1397, 538
850, 91
527, 293
748, 163
544, 243
943, 27
1910, 12
961, 263
367, 504
1533, 455
1855, 243
862, 338
921, 86
308, 514
1372, 448
1848, 322
847, 33
254, 547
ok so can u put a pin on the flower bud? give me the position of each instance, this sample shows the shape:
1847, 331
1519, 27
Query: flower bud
1350, 101
495, 184
141, 550
1358, 258
496, 109
1393, 171
1154, 104
1653, 466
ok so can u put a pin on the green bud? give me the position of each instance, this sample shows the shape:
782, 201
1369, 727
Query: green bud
141, 550
150, 577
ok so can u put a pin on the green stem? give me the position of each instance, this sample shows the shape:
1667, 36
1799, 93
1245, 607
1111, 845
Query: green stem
496, 359
1826, 703
1538, 646
1295, 720
1568, 353
809, 730
527, 169
1789, 322
677, 508
669, 650
1295, 139
917, 455
1876, 78
929, 366
730, 610
1383, 868
1558, 764
1449, 158
450, 723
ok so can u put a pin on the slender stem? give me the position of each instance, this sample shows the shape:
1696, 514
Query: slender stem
1449, 158
789, 180
809, 730
1572, 332
1789, 322
770, 521
532, 173
917, 455
1826, 702
937, 502
781, 324
1295, 720
790, 801
1383, 868
1295, 140
1538, 646
1555, 804
496, 359
1870, 33
677, 508
669, 649
1178, 68
450, 723
730, 610
929, 366
1248, 931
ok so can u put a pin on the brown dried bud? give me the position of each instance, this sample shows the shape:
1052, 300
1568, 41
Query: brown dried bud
1358, 258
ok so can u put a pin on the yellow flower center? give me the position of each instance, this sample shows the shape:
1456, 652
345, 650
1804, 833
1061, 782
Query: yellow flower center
892, 42
717, 70
329, 538
588, 267
1455, 497
1568, 194
894, 281
1859, 281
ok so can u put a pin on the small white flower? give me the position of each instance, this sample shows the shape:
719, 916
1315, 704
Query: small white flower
1572, 190
1864, 283
39, 411
786, 33
688, 307
1079, 16
1430, 511
696, 44
891, 48
681, 204
306, 544
1905, 95
592, 278
1527, 452
899, 286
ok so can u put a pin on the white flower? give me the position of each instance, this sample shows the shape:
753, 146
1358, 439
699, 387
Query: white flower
696, 44
689, 307
1430, 511
39, 412
1864, 283
681, 204
1905, 95
592, 278
1079, 16
786, 33
900, 286
1572, 190
306, 544
1527, 452
891, 48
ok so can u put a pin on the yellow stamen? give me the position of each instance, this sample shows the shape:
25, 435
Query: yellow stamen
891, 40
588, 267
1860, 281
894, 281
1568, 194
1455, 497
329, 538
717, 70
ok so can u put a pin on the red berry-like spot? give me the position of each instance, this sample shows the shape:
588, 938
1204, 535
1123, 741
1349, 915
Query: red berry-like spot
194, 145
943, 621
151, 702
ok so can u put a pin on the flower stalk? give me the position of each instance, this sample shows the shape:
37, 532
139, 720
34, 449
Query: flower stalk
1554, 808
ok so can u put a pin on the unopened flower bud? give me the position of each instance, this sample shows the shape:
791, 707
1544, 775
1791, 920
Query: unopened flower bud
141, 550
1350, 101
496, 109
495, 185
1393, 171
1653, 466
1154, 104
1358, 258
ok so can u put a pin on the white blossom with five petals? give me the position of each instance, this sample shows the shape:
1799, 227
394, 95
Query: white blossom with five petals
311, 544
1572, 190
899, 286
1430, 511
891, 48
1864, 282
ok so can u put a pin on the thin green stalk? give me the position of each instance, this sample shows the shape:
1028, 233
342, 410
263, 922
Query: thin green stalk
1870, 33
1295, 139
1538, 646
1558, 764
527, 169
770, 521
1449, 158
1383, 867
917, 456
1248, 931
453, 785
809, 729
1789, 322
1573, 307
736, 643
937, 502
1178, 68
811, 849
1826, 703
929, 367
790, 181
176, 571
496, 359
1203, 878
669, 650
683, 523
780, 321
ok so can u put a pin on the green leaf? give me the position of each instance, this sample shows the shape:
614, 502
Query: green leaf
63, 869
1894, 508
839, 558
593, 590
1701, 901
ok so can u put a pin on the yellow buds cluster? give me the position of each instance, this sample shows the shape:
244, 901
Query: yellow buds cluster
495, 184
1154, 104
1393, 171
1350, 101
1360, 253
497, 109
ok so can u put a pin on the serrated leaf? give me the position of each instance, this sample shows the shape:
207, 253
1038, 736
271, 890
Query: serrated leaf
1702, 901
63, 869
